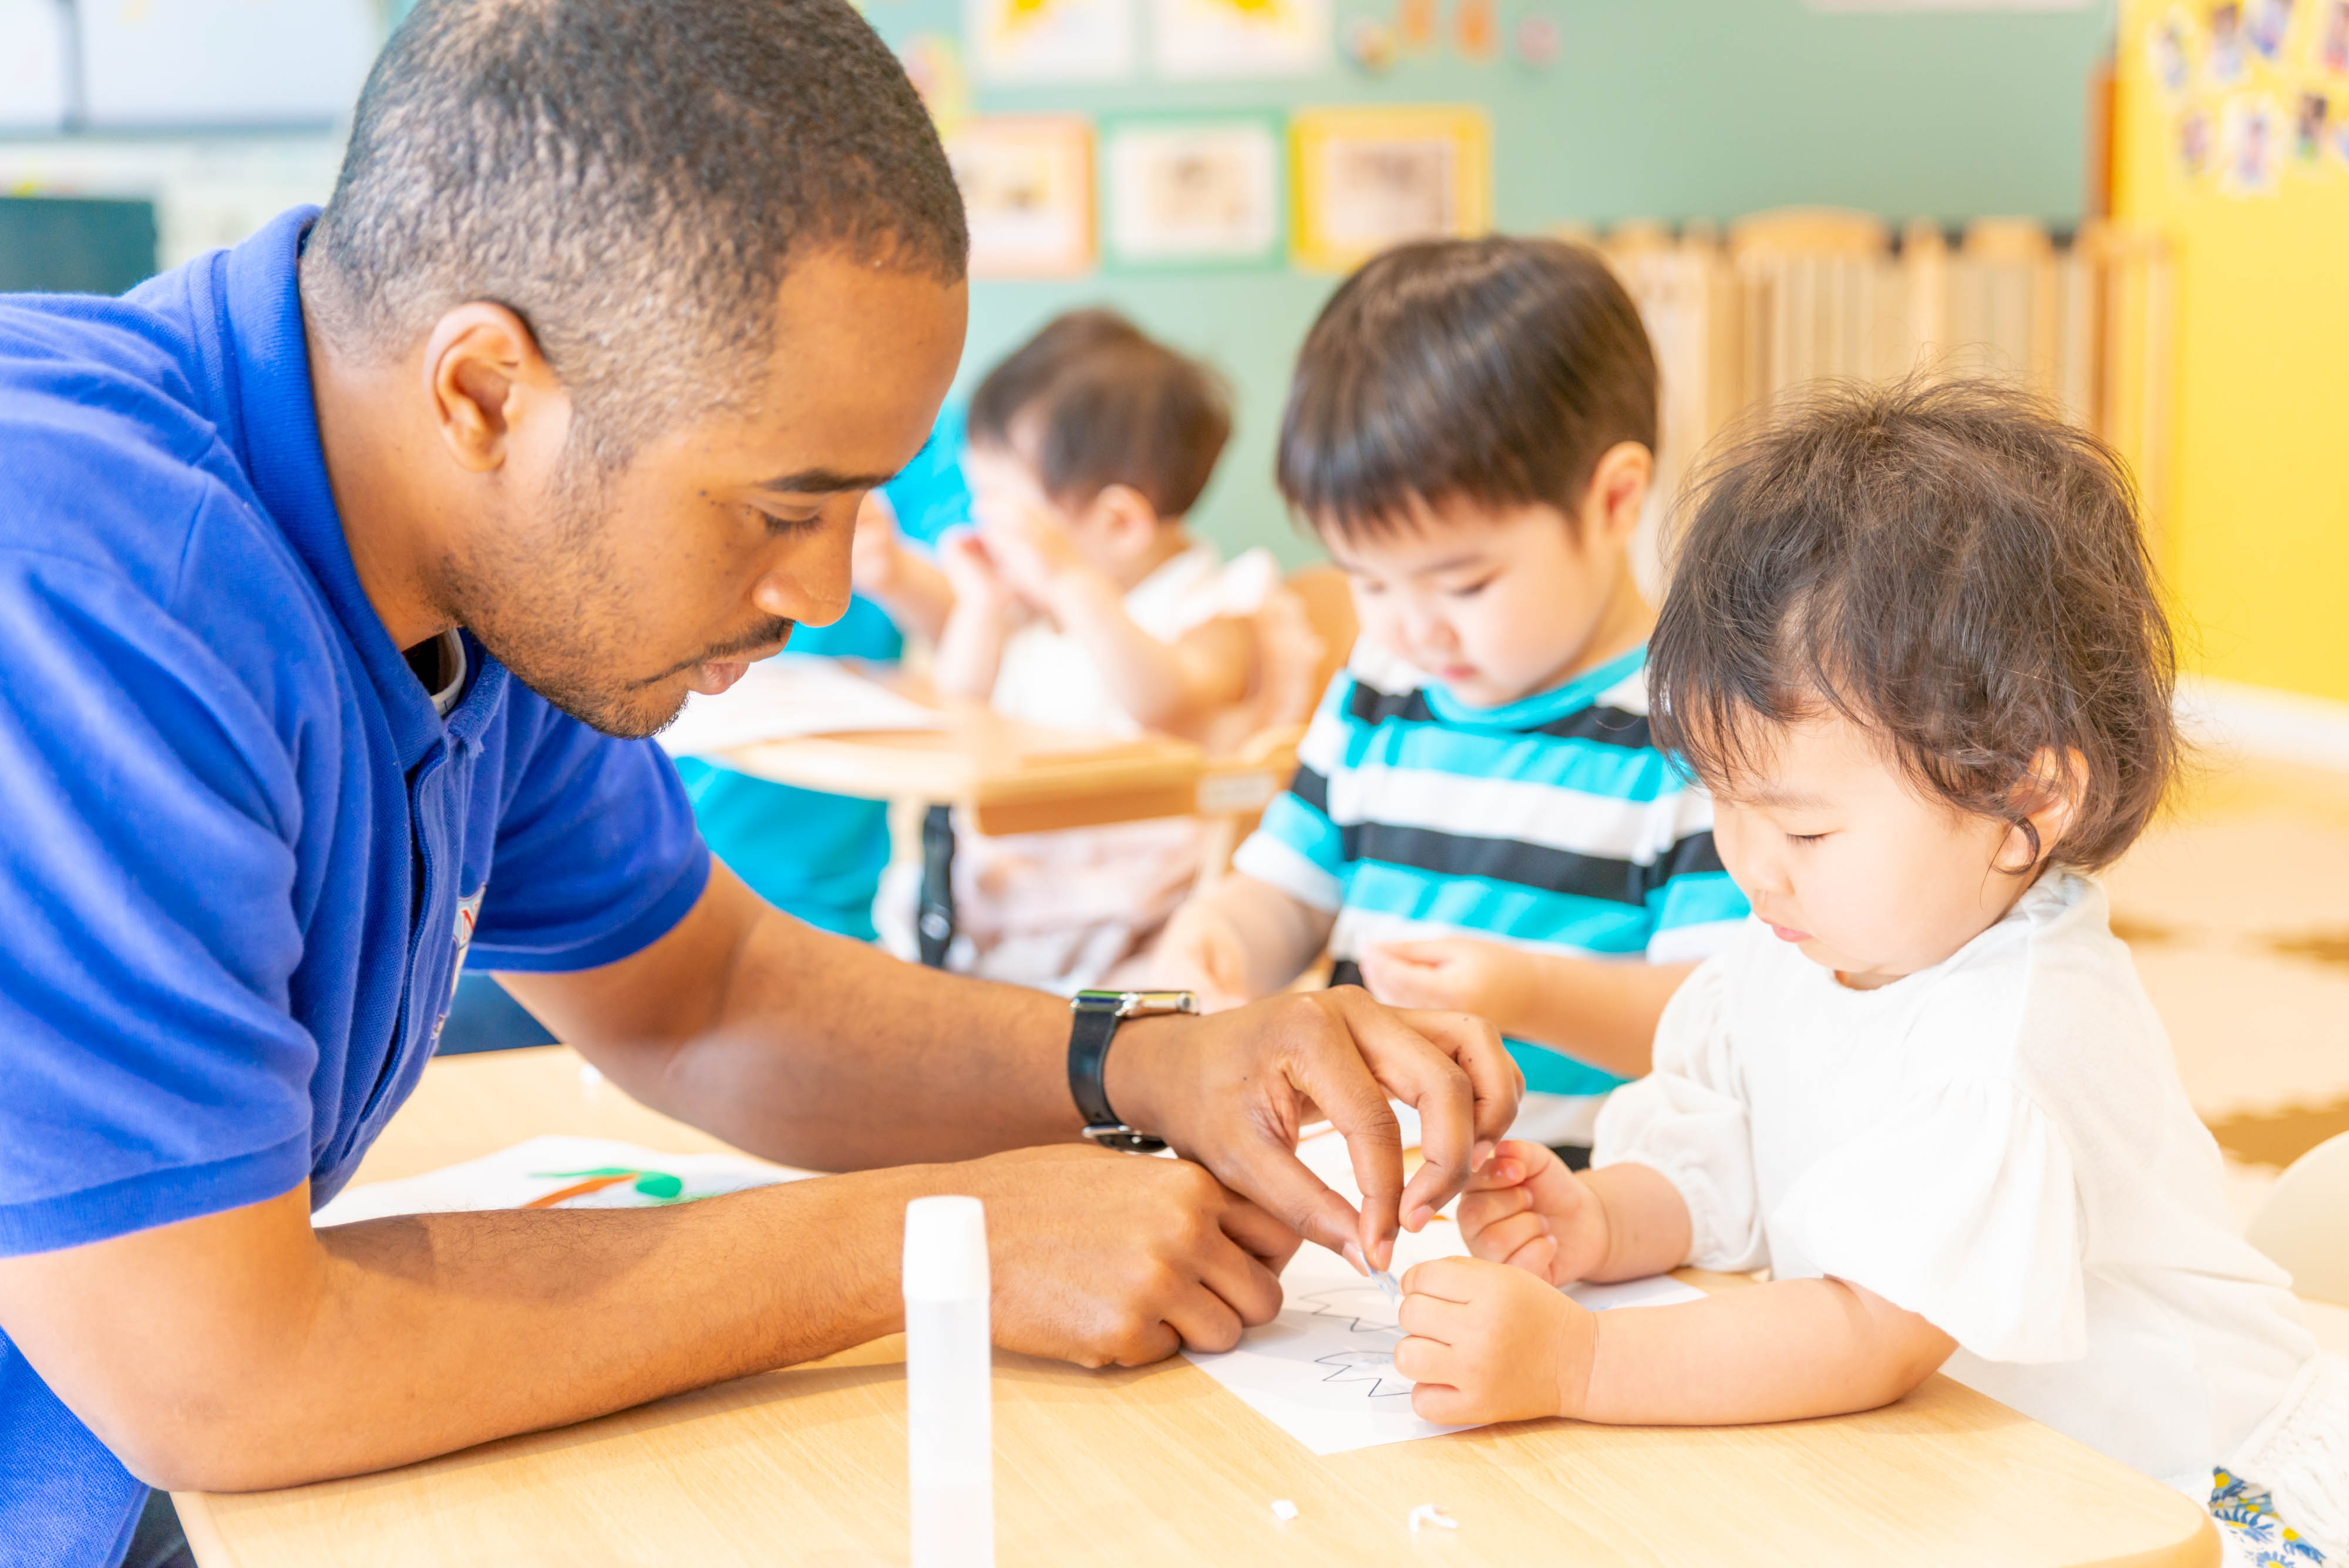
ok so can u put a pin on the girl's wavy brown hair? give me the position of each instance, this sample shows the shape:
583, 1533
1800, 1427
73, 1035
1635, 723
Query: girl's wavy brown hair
1950, 564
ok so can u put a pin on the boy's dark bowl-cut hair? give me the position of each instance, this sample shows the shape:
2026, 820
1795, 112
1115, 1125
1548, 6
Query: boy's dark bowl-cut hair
1496, 371
633, 178
1110, 406
1951, 565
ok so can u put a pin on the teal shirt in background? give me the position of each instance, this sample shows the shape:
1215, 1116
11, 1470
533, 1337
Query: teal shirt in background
820, 856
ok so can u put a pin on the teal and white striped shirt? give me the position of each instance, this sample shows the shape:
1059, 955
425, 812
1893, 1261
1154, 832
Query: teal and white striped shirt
1552, 823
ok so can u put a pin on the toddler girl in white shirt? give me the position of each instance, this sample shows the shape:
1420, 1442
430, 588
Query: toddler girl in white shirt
1913, 646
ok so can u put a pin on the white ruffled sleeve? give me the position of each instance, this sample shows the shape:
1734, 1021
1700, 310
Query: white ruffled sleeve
1686, 1121
1961, 1206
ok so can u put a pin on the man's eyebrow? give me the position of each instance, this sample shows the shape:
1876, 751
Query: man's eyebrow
823, 481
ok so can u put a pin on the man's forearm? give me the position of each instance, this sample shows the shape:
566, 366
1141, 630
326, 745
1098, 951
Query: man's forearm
823, 1053
387, 1342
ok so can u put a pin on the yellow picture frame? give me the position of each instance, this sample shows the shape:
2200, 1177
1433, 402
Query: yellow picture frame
1364, 177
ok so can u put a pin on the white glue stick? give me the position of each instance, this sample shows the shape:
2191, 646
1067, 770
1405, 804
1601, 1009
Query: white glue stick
949, 1363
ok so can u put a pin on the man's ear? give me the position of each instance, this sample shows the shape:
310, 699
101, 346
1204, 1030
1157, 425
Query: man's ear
2049, 799
489, 386
1125, 515
1618, 493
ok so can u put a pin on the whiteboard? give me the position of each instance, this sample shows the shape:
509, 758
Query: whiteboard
32, 65
224, 62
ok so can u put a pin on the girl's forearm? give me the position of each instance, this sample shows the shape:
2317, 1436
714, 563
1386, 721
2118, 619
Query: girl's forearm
917, 596
1648, 1227
1779, 1352
970, 650
1161, 686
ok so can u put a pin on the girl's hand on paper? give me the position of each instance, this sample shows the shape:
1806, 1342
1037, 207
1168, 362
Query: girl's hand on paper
1527, 1209
1489, 1343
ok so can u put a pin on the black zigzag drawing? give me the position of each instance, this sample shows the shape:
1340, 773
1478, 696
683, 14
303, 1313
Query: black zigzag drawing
1365, 1312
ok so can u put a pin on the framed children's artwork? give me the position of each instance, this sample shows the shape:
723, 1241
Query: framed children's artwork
1027, 193
1365, 178
1202, 40
1192, 192
1050, 40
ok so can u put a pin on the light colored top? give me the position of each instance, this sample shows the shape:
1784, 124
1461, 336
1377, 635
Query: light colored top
1552, 823
1047, 677
1999, 1143
1060, 910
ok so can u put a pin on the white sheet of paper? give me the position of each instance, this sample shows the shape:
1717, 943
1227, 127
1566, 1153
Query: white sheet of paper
516, 1177
1323, 1371
788, 696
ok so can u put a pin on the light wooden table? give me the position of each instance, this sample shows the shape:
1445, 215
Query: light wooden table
1014, 777
1161, 1465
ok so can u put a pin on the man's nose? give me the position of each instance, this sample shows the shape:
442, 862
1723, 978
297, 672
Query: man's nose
809, 582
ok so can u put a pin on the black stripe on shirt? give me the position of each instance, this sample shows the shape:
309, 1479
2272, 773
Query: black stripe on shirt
1368, 705
1312, 787
1541, 865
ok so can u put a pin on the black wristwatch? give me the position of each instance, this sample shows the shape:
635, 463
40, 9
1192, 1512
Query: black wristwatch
1097, 1015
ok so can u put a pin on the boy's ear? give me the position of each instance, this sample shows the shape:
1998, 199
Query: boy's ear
2049, 799
1618, 493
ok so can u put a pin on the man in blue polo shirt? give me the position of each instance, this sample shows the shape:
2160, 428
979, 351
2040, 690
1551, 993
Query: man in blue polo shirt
336, 573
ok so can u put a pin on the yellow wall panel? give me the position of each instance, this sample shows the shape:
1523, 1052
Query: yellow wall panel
2257, 533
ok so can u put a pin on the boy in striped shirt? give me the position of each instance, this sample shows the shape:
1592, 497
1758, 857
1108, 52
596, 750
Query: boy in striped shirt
1479, 820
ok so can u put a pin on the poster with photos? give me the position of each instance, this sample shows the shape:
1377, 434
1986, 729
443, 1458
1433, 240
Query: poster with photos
1028, 194
1230, 40
1202, 191
2252, 143
1050, 40
1367, 178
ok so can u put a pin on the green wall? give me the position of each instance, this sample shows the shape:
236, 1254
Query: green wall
1670, 109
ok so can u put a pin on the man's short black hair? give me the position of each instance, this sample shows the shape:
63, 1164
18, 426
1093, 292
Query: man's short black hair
631, 177
1496, 371
1110, 405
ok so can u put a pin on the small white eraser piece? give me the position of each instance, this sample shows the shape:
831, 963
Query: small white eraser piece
1282, 1509
590, 1073
1428, 1513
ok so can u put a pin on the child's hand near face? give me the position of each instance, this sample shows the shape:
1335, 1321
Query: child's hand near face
971, 568
1033, 552
1525, 1208
1489, 1343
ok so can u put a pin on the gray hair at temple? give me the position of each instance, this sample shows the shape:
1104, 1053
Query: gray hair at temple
633, 178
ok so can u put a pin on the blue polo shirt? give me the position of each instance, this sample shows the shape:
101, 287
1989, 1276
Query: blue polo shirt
243, 853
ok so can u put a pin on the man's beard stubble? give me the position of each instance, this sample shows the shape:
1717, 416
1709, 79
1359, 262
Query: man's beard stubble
557, 618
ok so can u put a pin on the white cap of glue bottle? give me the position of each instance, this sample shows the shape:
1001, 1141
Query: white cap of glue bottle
948, 1363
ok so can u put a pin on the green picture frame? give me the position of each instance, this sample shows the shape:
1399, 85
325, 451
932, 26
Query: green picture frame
1193, 192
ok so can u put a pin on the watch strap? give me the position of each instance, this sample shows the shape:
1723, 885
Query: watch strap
1095, 1018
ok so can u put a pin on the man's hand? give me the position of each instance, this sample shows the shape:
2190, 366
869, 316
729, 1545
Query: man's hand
1492, 1343
1101, 1258
1232, 1091
1463, 975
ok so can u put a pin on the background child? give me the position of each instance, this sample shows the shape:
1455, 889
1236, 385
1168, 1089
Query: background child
1479, 820
1913, 644
1081, 602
